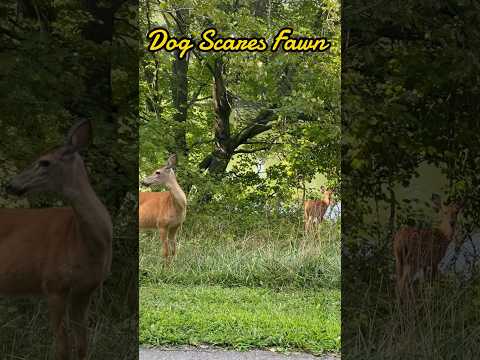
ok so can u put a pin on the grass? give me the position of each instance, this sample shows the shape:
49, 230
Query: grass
240, 318
442, 323
25, 333
239, 251
243, 282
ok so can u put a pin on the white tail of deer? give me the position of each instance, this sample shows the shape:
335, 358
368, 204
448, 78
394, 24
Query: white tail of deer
61, 253
164, 211
418, 252
314, 210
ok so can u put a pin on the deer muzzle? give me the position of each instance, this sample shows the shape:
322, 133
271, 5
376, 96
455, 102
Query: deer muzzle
14, 189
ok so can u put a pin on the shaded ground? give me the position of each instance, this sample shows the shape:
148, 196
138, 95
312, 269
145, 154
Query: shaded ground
186, 353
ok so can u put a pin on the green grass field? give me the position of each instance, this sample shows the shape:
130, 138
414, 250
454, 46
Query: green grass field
240, 318
243, 282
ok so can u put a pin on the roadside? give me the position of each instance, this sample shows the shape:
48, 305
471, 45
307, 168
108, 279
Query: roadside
189, 353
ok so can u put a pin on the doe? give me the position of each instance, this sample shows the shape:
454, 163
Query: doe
166, 210
418, 252
314, 210
62, 253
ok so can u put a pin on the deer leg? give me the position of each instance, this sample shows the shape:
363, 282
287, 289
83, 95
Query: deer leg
172, 239
399, 284
57, 306
402, 282
399, 271
307, 224
164, 238
79, 320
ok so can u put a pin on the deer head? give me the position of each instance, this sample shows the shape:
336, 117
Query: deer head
163, 175
448, 213
57, 169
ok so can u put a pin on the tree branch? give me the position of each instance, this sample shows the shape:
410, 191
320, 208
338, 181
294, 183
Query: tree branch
259, 125
250, 151
196, 95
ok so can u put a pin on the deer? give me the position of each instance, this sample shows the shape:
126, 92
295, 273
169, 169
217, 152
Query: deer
63, 253
166, 210
418, 252
314, 210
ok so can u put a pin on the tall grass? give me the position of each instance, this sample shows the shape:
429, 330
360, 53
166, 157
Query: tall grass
232, 250
441, 322
25, 333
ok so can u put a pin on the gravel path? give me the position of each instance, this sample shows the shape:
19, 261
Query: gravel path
218, 354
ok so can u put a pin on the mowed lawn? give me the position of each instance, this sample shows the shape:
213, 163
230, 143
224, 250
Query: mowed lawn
260, 284
240, 318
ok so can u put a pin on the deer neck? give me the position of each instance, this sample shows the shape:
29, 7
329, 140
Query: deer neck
93, 222
327, 198
446, 229
179, 197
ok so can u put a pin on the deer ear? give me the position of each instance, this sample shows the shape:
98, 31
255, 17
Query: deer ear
436, 202
172, 161
79, 135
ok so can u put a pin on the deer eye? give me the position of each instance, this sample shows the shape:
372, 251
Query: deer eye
44, 163
157, 172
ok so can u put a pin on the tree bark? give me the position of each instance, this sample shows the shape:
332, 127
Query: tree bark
179, 86
180, 101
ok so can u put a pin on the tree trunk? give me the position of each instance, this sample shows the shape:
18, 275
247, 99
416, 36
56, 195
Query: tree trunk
99, 103
180, 101
222, 148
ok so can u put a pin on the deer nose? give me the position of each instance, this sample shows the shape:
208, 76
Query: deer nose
10, 188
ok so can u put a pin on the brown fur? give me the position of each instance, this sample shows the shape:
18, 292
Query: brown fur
314, 210
164, 211
417, 250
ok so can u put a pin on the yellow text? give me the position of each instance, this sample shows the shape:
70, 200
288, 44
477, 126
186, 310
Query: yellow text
160, 39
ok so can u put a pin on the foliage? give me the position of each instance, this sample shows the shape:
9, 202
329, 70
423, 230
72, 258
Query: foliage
294, 97
400, 108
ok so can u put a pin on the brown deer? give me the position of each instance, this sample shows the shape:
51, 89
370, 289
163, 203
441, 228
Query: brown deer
314, 210
164, 210
419, 251
61, 253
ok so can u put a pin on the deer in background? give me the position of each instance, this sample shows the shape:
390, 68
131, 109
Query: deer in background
418, 252
314, 210
164, 210
61, 253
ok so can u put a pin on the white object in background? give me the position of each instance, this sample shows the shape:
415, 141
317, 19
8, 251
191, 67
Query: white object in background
463, 261
334, 211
